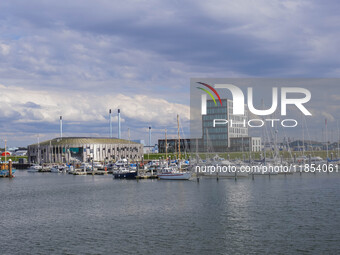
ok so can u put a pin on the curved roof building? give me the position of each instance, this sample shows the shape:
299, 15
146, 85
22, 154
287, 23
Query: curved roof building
84, 149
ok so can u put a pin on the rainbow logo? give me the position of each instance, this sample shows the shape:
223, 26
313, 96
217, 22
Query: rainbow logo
209, 93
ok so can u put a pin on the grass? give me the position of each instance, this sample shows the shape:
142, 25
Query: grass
13, 158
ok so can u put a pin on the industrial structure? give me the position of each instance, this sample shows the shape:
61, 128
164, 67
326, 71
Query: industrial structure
84, 149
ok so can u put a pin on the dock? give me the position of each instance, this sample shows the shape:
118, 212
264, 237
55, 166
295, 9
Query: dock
141, 177
78, 173
82, 172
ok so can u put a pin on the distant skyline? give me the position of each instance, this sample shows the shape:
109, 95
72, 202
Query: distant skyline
81, 58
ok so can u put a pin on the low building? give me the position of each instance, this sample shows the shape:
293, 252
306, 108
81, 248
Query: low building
172, 145
20, 153
150, 149
306, 145
84, 149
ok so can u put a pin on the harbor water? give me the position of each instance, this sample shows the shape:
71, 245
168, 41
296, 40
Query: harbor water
44, 213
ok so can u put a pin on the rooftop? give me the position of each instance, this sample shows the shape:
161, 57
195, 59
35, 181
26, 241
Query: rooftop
84, 140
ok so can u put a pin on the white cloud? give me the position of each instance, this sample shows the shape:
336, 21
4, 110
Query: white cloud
4, 49
46, 106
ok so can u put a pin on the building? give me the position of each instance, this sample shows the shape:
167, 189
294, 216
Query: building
150, 149
245, 144
84, 149
20, 153
139, 141
173, 145
217, 138
299, 145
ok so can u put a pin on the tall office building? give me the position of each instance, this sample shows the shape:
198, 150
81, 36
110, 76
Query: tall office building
217, 138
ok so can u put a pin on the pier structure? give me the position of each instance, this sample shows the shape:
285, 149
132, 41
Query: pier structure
84, 149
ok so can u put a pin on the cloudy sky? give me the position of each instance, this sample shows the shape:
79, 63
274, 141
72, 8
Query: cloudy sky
80, 58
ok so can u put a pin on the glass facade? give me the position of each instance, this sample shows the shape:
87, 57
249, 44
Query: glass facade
217, 139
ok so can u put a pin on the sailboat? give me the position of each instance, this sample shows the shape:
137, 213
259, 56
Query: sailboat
174, 173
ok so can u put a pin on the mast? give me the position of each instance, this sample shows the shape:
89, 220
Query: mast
129, 141
166, 147
326, 137
263, 136
303, 141
38, 151
179, 138
337, 124
5, 150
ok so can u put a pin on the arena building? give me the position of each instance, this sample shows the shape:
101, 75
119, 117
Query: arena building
84, 149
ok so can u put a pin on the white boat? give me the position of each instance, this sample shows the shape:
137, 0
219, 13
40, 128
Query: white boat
55, 169
171, 174
153, 163
98, 165
121, 163
34, 168
58, 169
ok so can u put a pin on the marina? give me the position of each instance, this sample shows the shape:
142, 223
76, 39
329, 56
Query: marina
169, 127
96, 214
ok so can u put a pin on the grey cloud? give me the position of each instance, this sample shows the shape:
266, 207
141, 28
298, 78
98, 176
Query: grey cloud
154, 47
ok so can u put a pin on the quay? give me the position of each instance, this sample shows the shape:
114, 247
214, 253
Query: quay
80, 171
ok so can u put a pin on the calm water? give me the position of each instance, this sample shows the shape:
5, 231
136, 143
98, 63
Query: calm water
44, 213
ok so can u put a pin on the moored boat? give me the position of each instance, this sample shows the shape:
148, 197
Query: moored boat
34, 168
171, 174
124, 173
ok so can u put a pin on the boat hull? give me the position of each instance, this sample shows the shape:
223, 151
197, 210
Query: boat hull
129, 175
175, 176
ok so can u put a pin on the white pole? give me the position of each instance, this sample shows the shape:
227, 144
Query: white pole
5, 150
110, 123
119, 133
61, 126
150, 137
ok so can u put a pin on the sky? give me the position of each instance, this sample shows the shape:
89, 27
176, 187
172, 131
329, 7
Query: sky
81, 58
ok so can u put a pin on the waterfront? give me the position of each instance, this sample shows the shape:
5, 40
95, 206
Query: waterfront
60, 213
